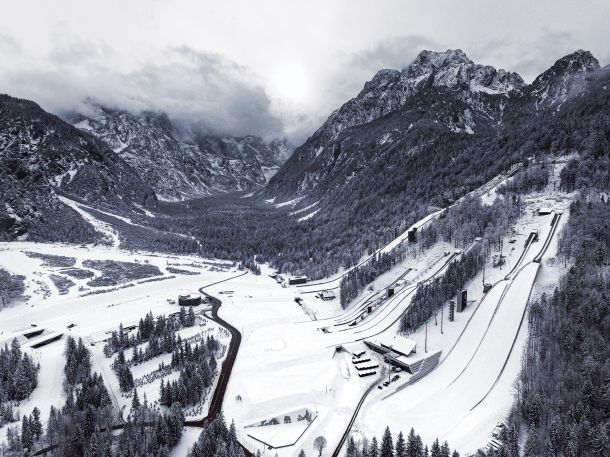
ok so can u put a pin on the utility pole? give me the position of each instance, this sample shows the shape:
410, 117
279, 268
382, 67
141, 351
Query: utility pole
442, 306
386, 359
426, 340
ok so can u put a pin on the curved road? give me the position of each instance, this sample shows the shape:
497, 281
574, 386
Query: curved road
223, 380
353, 419
227, 365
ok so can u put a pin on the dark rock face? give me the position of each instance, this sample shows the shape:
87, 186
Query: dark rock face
178, 169
565, 79
41, 155
439, 92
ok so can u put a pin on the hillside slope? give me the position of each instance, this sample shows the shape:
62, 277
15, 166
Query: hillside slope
178, 169
42, 156
367, 180
399, 114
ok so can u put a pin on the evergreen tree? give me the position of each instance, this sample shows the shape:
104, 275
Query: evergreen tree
374, 448
36, 425
352, 451
401, 447
27, 438
435, 450
387, 444
135, 400
413, 446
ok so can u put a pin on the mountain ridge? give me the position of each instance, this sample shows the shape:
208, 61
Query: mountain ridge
42, 155
177, 169
475, 100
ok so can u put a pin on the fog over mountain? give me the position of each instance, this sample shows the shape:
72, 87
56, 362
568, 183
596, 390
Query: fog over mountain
271, 70
304, 228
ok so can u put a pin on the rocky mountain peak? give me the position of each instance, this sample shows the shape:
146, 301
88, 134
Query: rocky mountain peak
390, 89
564, 79
441, 58
180, 169
453, 69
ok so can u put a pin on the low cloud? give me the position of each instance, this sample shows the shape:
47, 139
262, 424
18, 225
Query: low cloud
528, 58
350, 71
197, 90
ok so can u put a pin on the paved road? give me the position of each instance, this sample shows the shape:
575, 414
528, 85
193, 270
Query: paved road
223, 380
353, 419
227, 365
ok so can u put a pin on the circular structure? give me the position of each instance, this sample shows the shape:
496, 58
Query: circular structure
189, 300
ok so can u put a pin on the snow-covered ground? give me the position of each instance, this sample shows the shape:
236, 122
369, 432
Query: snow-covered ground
91, 310
203, 328
333, 282
287, 360
295, 356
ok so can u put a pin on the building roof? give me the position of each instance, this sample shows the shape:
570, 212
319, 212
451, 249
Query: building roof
189, 296
397, 343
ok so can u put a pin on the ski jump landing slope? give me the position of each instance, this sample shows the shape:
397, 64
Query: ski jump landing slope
471, 390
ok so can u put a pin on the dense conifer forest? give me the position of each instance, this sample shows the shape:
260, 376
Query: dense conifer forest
562, 405
11, 287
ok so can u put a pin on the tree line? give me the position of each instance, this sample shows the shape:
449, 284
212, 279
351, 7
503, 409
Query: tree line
412, 446
160, 330
18, 373
11, 287
197, 368
358, 278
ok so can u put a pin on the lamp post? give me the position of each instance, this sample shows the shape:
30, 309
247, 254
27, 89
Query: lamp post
426, 340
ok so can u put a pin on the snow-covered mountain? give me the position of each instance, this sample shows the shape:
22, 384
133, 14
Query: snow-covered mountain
41, 156
178, 169
390, 89
566, 78
438, 93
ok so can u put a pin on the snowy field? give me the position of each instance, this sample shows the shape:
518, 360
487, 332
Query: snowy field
288, 357
89, 311
298, 356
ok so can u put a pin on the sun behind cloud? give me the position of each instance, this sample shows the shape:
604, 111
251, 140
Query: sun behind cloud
290, 83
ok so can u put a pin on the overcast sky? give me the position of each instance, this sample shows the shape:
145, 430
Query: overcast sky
268, 67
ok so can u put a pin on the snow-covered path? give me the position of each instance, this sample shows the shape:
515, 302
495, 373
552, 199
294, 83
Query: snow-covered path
334, 281
471, 390
105, 229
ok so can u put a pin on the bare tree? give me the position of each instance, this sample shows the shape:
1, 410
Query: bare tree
319, 444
